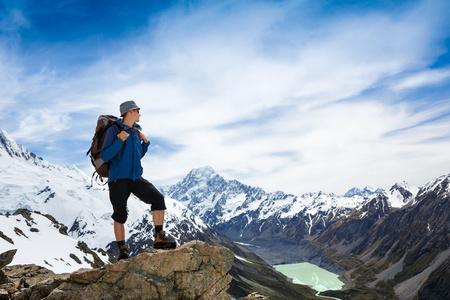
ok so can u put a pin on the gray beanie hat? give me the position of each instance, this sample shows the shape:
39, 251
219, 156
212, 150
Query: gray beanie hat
127, 106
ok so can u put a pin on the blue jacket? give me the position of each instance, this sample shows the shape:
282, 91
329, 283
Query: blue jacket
124, 157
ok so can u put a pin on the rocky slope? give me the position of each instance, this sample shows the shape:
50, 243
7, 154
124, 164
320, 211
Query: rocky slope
398, 252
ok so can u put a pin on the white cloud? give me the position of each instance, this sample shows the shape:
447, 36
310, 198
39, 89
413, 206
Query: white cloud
40, 125
331, 148
422, 79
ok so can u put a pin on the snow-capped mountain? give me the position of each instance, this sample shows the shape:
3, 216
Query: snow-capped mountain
402, 193
29, 182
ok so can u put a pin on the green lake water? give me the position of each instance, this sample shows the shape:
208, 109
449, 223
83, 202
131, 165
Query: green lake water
309, 274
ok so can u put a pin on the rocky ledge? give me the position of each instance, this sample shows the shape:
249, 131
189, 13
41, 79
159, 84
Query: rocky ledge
195, 270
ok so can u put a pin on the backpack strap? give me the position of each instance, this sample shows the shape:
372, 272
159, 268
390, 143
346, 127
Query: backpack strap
118, 127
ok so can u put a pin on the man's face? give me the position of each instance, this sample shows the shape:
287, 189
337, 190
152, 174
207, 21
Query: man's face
135, 115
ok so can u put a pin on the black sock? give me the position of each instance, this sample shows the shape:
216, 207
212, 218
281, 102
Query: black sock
158, 229
120, 243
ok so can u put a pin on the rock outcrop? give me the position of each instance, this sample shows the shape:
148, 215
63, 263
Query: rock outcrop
195, 270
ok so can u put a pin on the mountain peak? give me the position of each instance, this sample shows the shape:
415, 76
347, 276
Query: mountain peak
401, 193
199, 177
205, 172
353, 191
369, 189
10, 147
402, 184
366, 192
440, 185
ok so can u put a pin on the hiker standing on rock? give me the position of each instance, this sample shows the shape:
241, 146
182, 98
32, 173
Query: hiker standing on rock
124, 151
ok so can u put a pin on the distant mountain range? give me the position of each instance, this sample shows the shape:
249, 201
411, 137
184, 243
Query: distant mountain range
393, 242
250, 215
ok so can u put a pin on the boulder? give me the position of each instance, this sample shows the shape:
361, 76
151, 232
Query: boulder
7, 257
195, 270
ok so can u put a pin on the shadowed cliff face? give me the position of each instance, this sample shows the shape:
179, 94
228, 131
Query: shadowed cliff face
195, 270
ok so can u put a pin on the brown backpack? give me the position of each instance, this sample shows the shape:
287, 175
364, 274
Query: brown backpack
104, 122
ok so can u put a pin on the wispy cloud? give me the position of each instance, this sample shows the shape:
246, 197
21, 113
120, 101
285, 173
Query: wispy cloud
423, 79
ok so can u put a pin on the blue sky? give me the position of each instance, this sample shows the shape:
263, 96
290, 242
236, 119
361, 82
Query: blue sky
297, 96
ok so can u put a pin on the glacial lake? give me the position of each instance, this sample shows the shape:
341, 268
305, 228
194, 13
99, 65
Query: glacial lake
312, 275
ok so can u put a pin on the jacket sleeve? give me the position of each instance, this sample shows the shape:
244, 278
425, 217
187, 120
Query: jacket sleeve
112, 144
144, 149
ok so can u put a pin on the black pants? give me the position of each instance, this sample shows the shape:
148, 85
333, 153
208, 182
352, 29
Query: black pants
120, 190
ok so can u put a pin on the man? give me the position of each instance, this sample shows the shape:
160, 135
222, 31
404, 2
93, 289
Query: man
124, 151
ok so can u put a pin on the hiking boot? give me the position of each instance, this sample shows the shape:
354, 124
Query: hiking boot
123, 253
161, 242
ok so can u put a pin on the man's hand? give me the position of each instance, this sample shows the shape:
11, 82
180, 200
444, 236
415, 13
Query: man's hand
123, 135
143, 138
